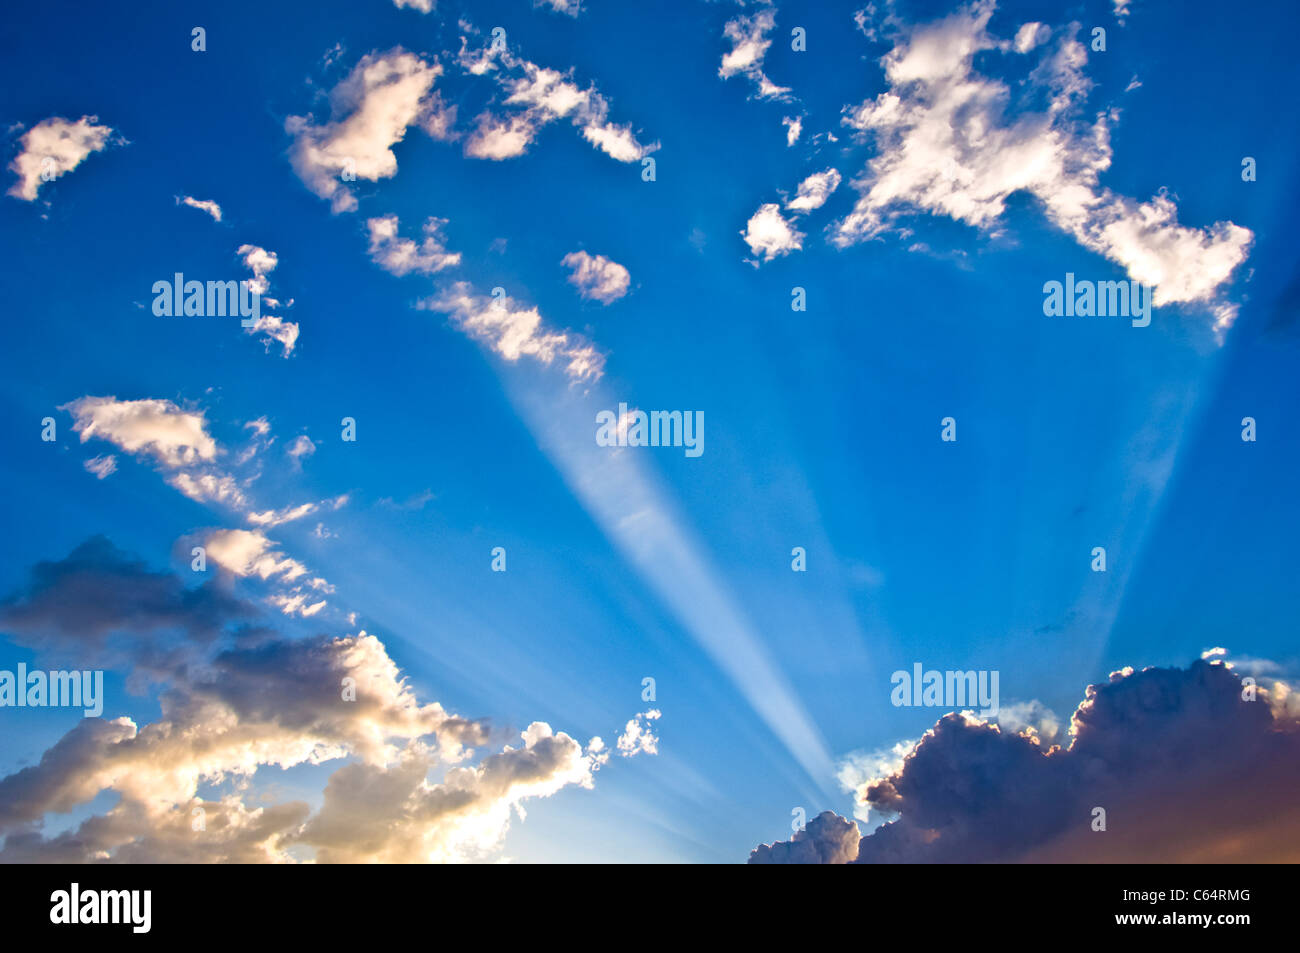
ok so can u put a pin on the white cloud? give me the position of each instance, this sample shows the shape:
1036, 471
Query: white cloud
370, 112
638, 735
749, 43
769, 235
302, 446
596, 277
209, 487
247, 552
814, 191
423, 6
273, 328
793, 128
203, 205
513, 331
54, 147
401, 256
1031, 35
288, 514
569, 7
944, 145
155, 428
261, 263
545, 95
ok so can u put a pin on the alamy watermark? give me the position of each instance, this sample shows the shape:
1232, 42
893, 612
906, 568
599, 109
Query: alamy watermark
1103, 299
658, 428
212, 299
952, 690
57, 689
76, 906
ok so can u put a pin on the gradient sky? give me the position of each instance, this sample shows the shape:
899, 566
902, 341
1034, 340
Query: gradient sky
822, 427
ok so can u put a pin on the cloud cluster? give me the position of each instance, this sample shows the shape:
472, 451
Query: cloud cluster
1188, 765
537, 96
236, 699
401, 256
54, 147
769, 234
946, 144
638, 734
272, 328
178, 442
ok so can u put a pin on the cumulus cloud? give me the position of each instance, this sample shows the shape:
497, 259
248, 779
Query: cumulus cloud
826, 839
946, 144
203, 205
54, 147
401, 256
814, 191
240, 700
596, 277
371, 110
769, 235
535, 97
513, 331
749, 42
1190, 765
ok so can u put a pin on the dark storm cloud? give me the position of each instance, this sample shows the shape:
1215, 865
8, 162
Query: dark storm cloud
99, 605
1187, 765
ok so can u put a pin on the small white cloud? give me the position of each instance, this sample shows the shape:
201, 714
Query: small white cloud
401, 256
301, 447
156, 428
769, 235
638, 735
793, 128
371, 110
513, 331
203, 205
814, 191
273, 328
596, 277
261, 263
54, 147
102, 465
569, 7
749, 43
249, 553
1031, 35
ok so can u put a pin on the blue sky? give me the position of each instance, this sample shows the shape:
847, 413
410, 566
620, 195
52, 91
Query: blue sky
822, 427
